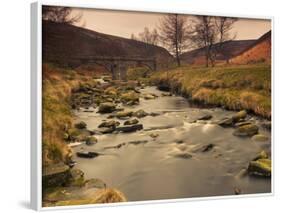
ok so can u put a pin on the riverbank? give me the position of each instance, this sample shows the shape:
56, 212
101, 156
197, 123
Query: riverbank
63, 184
232, 87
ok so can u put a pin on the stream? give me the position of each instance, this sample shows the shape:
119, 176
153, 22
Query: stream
171, 165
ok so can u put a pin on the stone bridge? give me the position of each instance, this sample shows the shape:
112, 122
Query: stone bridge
118, 66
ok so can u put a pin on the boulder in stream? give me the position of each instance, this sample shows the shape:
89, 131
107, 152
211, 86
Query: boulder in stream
140, 113
87, 154
91, 140
81, 125
110, 124
55, 175
124, 114
205, 117
226, 122
246, 130
130, 128
260, 137
260, 167
239, 116
131, 122
107, 107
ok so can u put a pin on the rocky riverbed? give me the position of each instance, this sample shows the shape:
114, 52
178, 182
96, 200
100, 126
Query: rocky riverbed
151, 144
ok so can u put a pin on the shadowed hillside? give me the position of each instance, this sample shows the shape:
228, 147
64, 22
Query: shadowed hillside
61, 42
231, 48
259, 51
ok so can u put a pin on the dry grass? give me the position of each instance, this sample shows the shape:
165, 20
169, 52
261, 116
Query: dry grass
234, 87
57, 85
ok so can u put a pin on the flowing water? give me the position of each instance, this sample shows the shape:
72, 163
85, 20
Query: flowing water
161, 168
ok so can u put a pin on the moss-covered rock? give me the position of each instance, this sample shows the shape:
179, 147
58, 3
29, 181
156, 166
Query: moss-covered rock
124, 114
260, 167
246, 130
55, 175
110, 123
140, 113
107, 107
260, 137
239, 115
131, 122
91, 140
226, 122
80, 125
130, 98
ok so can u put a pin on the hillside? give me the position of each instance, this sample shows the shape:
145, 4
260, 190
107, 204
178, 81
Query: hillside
62, 42
259, 51
232, 48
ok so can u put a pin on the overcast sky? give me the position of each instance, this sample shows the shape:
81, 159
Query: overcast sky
122, 23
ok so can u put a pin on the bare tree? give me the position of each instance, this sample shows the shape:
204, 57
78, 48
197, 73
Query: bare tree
211, 33
154, 37
60, 15
174, 34
204, 35
224, 25
149, 37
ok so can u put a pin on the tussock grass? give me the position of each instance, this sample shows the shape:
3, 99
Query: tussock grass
57, 116
234, 87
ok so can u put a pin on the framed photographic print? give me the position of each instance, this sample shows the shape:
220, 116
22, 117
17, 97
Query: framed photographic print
148, 106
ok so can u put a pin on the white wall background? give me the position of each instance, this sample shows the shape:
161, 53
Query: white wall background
15, 99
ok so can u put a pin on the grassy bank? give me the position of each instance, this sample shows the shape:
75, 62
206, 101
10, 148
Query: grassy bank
57, 116
234, 87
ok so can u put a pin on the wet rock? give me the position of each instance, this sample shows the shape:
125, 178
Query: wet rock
75, 134
239, 115
207, 148
87, 154
260, 137
94, 183
149, 96
138, 142
91, 140
140, 113
81, 125
226, 122
154, 114
261, 155
242, 123
154, 135
106, 130
182, 155
129, 128
111, 91
246, 130
107, 107
131, 122
124, 114
130, 98
260, 167
205, 117
55, 175
109, 124
76, 178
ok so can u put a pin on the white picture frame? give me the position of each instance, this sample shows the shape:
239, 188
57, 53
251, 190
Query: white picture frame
36, 104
